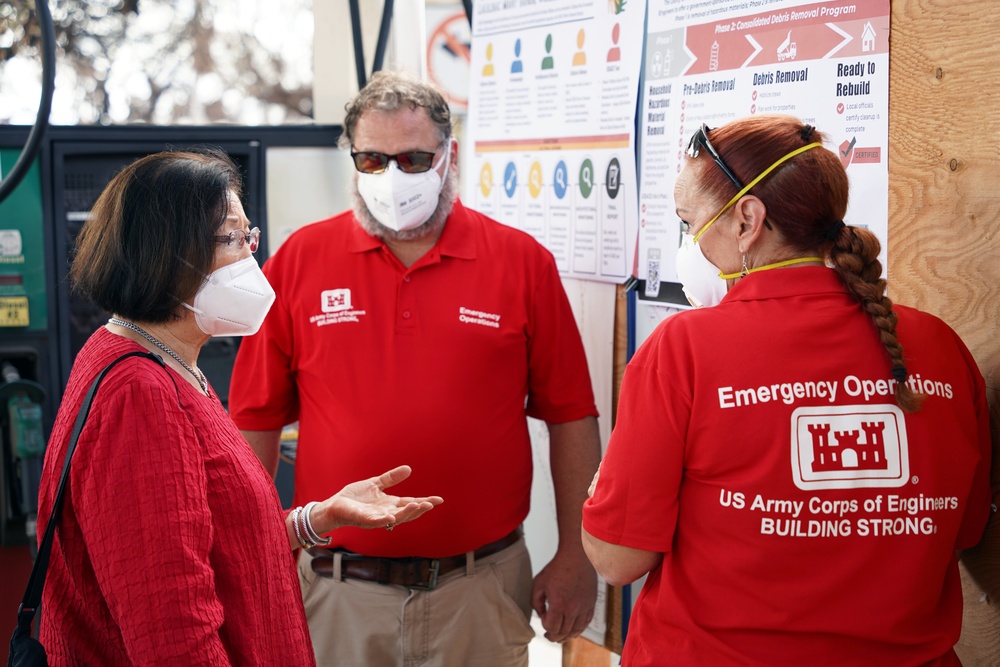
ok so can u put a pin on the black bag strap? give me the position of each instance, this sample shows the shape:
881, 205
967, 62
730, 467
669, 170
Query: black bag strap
33, 592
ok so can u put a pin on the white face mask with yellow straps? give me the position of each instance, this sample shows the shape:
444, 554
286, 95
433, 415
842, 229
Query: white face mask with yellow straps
699, 278
703, 283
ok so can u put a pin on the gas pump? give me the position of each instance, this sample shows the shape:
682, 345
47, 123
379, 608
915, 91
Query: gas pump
23, 446
25, 360
23, 313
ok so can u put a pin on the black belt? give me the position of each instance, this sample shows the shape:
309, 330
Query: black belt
414, 572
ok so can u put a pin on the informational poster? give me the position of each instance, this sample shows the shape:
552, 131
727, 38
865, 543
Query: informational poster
550, 145
716, 60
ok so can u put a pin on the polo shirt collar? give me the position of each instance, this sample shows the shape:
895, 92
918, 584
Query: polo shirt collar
457, 240
789, 282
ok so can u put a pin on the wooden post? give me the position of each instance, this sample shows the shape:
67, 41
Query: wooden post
944, 217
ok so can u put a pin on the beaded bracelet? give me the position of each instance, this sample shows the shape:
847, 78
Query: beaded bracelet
311, 533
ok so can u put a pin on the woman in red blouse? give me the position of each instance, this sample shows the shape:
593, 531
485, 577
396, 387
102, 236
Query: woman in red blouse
172, 548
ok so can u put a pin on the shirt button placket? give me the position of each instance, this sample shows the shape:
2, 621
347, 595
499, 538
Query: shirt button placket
405, 321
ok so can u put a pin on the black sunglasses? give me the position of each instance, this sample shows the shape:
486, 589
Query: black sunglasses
411, 162
699, 139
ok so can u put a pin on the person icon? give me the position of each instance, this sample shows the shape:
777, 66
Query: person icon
580, 57
547, 62
615, 54
657, 64
516, 67
488, 67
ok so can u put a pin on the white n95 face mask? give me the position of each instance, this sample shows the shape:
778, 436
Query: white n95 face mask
403, 201
699, 277
233, 301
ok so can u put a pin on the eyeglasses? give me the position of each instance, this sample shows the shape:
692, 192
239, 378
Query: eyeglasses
236, 239
699, 139
411, 162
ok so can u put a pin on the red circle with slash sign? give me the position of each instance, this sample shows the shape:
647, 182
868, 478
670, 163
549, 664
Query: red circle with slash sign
448, 57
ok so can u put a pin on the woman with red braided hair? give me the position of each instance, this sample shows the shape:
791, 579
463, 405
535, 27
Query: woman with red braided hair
795, 466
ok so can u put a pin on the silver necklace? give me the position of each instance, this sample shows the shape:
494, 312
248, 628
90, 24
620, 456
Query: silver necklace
198, 375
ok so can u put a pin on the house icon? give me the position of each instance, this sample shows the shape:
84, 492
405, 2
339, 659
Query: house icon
868, 38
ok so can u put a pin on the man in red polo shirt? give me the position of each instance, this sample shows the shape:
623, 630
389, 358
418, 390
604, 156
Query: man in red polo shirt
412, 329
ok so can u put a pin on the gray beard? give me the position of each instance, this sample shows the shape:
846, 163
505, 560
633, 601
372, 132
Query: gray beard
433, 225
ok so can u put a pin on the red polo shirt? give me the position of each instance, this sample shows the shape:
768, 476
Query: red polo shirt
434, 366
803, 518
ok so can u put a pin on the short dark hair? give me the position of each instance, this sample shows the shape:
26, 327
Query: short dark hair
147, 244
391, 91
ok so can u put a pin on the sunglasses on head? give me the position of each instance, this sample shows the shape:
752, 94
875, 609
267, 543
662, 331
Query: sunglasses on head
411, 162
700, 139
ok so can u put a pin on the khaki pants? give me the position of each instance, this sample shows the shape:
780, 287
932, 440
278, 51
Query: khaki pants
477, 617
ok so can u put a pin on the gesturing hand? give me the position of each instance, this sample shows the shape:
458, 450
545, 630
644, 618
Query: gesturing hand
366, 505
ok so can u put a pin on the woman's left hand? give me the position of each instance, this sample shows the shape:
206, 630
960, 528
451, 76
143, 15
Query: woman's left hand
366, 505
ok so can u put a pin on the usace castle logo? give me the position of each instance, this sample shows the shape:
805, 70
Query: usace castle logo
849, 446
335, 300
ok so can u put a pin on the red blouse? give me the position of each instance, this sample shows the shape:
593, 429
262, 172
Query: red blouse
171, 549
